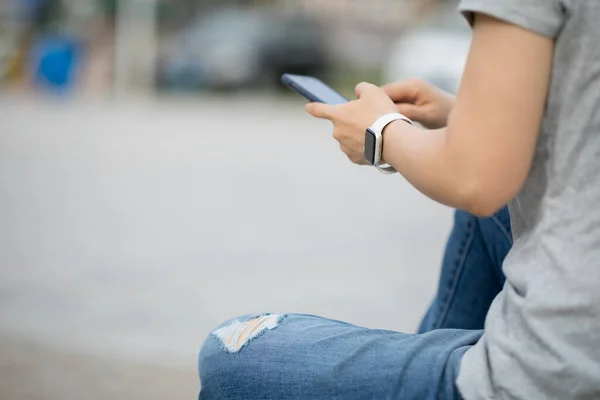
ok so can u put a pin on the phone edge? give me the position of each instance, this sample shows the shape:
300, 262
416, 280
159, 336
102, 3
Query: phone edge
289, 82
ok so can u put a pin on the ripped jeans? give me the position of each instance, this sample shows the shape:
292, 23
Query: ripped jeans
293, 356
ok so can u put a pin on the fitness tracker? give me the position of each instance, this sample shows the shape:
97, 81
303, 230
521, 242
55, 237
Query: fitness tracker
374, 141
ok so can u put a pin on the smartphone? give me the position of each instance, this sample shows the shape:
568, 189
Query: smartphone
313, 89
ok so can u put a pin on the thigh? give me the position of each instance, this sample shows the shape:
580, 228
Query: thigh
307, 357
471, 274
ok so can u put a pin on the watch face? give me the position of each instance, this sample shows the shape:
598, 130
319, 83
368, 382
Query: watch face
370, 145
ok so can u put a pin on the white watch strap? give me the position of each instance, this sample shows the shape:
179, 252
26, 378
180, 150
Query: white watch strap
386, 169
378, 126
386, 119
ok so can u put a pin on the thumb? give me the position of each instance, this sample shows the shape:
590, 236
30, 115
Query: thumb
362, 88
320, 110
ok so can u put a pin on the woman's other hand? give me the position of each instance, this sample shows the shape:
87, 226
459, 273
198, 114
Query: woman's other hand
421, 102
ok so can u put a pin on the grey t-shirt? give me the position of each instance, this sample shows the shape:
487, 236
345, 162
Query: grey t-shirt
542, 332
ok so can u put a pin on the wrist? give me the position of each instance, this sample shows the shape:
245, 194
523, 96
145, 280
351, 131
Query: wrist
392, 126
374, 141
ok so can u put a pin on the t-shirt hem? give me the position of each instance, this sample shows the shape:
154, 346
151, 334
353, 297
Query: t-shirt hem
472, 383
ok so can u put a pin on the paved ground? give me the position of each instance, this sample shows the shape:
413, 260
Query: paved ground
129, 230
29, 371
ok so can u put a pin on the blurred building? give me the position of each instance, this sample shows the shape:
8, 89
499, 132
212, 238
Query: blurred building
124, 43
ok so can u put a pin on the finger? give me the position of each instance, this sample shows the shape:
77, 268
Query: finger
347, 152
404, 91
357, 158
412, 111
364, 87
337, 135
321, 110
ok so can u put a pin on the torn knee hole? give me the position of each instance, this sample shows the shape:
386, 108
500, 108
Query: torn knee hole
237, 334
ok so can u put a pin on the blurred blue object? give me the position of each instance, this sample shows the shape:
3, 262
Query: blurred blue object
55, 62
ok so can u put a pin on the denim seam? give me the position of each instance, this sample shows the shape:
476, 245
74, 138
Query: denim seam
503, 229
457, 274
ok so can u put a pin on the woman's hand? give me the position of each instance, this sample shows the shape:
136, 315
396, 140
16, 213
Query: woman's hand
421, 102
351, 120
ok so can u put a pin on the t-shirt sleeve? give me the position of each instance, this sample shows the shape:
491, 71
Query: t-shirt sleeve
542, 16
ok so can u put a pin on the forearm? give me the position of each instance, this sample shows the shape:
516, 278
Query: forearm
482, 158
436, 167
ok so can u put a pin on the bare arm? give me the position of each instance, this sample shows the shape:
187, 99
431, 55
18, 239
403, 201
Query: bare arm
482, 158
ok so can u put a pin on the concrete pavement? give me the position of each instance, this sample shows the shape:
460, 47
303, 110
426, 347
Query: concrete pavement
129, 230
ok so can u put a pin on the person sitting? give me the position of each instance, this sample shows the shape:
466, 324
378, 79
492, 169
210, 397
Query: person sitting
524, 129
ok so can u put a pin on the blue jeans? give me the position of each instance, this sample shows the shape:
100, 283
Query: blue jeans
292, 356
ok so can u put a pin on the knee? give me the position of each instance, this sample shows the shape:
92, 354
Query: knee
215, 362
235, 334
221, 341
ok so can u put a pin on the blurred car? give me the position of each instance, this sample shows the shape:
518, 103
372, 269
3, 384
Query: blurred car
236, 48
435, 51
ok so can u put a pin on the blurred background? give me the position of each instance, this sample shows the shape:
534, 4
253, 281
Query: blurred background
156, 179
